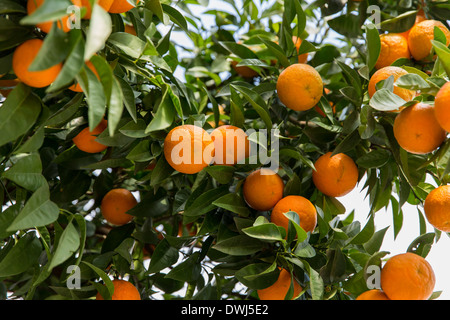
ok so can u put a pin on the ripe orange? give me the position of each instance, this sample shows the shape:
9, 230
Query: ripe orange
417, 130
420, 37
302, 58
298, 204
280, 288
105, 4
76, 87
123, 290
243, 71
386, 72
32, 5
188, 149
130, 29
437, 208
231, 145
407, 276
262, 189
115, 205
24, 56
442, 107
299, 87
393, 46
85, 140
373, 294
419, 18
121, 6
335, 176
6, 86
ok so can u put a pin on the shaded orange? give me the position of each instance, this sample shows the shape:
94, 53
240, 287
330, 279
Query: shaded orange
231, 145
130, 29
302, 58
115, 205
243, 71
298, 204
335, 176
374, 294
437, 208
24, 56
85, 140
417, 130
6, 86
123, 290
199, 144
105, 4
407, 276
121, 6
442, 107
262, 189
420, 37
299, 87
280, 288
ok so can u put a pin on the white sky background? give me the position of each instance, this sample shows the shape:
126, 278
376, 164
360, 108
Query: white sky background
439, 254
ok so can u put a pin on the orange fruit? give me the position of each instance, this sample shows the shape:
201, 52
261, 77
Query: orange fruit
130, 29
299, 87
6, 86
243, 71
335, 176
188, 149
374, 294
393, 46
280, 288
298, 204
302, 58
105, 4
318, 110
115, 205
437, 208
121, 6
407, 276
24, 56
419, 18
420, 37
190, 228
386, 72
123, 290
231, 145
32, 5
85, 140
417, 130
442, 107
76, 87
262, 189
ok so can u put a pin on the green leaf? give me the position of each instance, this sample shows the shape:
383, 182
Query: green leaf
68, 244
422, 244
22, 256
204, 203
155, 7
373, 45
37, 212
165, 113
265, 232
188, 270
99, 30
374, 159
27, 172
443, 53
374, 244
176, 17
163, 257
240, 245
223, 174
386, 100
258, 275
234, 203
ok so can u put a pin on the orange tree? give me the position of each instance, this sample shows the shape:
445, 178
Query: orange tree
192, 234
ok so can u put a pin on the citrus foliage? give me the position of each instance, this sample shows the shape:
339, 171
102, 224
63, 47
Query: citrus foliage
195, 231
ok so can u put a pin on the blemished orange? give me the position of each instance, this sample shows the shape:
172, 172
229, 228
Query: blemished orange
302, 58
407, 276
262, 189
62, 23
76, 86
231, 145
123, 290
417, 130
24, 56
6, 86
386, 72
299, 87
437, 208
298, 204
243, 71
335, 176
442, 107
374, 294
195, 141
280, 288
85, 140
115, 204
393, 46
420, 37
121, 6
105, 4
